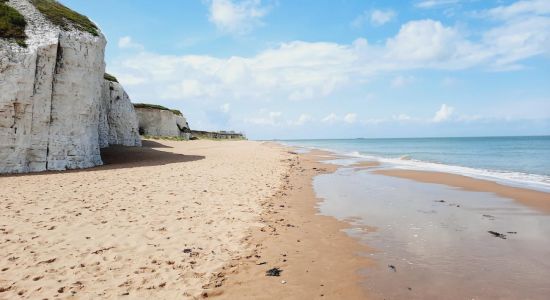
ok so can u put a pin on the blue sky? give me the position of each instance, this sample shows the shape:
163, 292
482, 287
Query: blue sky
335, 68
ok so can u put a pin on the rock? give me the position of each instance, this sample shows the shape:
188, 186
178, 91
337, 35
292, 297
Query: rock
155, 120
118, 120
51, 95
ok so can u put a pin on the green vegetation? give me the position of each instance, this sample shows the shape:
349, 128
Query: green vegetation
156, 106
198, 135
63, 16
12, 24
166, 138
110, 77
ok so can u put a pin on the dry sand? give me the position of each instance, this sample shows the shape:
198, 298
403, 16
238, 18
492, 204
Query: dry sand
161, 222
532, 198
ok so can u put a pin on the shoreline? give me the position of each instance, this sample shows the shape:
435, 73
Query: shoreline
532, 198
312, 250
249, 279
179, 219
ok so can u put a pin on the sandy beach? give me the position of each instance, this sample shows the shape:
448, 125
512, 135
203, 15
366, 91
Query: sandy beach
177, 220
275, 149
317, 259
208, 219
157, 222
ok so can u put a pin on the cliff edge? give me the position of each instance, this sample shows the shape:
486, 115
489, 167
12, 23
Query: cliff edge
51, 85
157, 120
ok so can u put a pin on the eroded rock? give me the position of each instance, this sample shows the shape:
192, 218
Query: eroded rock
51, 97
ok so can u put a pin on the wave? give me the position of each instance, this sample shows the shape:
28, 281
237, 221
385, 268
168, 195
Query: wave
516, 179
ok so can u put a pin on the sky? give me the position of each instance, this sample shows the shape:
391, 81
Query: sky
291, 69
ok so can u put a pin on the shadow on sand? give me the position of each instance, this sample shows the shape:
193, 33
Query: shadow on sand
117, 157
120, 157
153, 144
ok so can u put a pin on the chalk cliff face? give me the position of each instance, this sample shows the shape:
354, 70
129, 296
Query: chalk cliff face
159, 122
50, 97
118, 121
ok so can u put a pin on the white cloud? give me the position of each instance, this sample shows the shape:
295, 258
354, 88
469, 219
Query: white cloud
381, 17
376, 17
225, 107
517, 40
443, 114
333, 118
435, 3
429, 42
401, 81
302, 119
126, 42
350, 118
303, 94
330, 119
272, 118
402, 117
306, 71
537, 7
237, 17
191, 88
129, 79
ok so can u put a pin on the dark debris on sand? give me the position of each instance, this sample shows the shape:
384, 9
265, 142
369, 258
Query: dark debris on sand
497, 234
273, 272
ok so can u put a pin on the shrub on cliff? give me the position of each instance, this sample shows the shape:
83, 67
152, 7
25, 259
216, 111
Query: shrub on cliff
109, 77
12, 24
156, 106
62, 16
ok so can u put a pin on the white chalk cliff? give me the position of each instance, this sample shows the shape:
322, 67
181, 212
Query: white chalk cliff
51, 98
162, 122
118, 120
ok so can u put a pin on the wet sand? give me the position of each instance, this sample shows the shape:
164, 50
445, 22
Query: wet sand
535, 199
318, 260
429, 239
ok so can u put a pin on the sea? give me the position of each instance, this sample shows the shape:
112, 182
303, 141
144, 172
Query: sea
521, 161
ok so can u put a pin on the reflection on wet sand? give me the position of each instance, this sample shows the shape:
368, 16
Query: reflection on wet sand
439, 242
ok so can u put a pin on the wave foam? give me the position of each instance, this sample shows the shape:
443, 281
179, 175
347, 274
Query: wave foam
516, 179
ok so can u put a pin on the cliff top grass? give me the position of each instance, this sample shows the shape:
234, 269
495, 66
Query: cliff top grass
63, 16
12, 24
156, 106
166, 138
110, 77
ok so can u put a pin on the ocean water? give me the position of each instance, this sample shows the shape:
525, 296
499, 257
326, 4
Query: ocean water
517, 161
